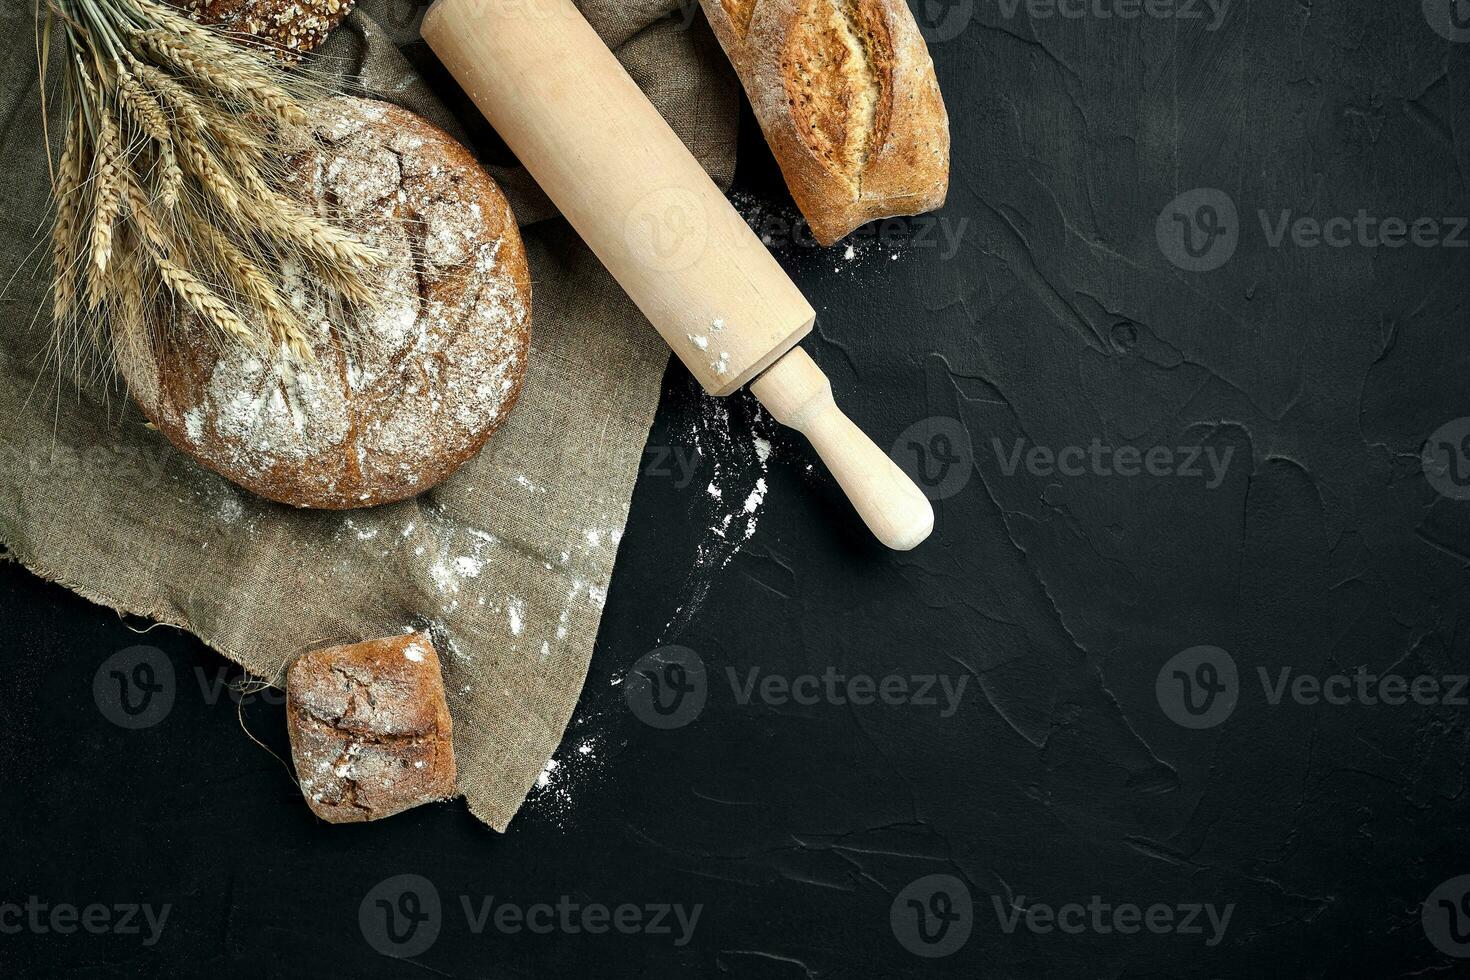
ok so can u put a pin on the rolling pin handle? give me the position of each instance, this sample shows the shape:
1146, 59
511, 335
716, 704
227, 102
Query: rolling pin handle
799, 395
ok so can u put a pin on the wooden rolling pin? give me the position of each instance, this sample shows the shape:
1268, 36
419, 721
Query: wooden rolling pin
636, 195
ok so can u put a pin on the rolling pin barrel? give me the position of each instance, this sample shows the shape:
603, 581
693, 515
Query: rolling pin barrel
644, 205
626, 182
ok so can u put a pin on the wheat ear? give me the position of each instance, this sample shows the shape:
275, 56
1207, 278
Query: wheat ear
147, 114
180, 281
246, 276
215, 72
66, 231
106, 179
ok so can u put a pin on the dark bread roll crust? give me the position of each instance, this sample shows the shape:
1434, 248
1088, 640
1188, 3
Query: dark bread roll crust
370, 729
426, 379
293, 26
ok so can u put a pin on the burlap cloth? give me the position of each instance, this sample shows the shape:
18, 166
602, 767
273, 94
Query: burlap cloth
508, 561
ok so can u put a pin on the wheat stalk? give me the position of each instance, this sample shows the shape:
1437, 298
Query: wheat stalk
283, 324
147, 114
216, 73
131, 333
67, 189
183, 283
161, 105
106, 191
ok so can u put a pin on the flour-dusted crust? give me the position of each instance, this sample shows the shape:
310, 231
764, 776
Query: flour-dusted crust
370, 729
846, 95
431, 374
293, 26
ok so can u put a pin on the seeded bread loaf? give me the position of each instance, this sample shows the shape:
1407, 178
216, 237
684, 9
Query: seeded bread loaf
846, 94
293, 26
370, 729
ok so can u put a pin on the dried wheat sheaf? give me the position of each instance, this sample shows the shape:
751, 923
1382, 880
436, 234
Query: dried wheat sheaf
169, 187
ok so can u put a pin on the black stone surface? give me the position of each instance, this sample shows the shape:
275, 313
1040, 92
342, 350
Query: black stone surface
1043, 307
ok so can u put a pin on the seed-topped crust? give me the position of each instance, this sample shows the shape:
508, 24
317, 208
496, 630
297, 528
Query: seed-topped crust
294, 26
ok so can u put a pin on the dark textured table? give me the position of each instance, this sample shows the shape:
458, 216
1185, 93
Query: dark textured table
1175, 690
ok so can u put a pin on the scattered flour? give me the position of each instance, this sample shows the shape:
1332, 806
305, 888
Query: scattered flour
734, 435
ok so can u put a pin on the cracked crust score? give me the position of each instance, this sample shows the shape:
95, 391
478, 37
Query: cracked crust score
846, 95
429, 376
370, 728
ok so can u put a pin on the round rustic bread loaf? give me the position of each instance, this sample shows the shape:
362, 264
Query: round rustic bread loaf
293, 26
416, 387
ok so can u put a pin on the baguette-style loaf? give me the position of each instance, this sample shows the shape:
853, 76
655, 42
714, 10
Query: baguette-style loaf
845, 93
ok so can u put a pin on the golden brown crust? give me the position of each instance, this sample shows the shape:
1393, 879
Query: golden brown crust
370, 729
846, 95
430, 376
294, 26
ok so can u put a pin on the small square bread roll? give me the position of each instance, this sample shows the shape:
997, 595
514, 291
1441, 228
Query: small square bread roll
370, 729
